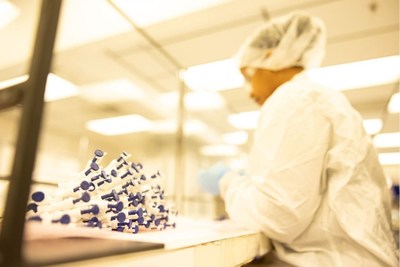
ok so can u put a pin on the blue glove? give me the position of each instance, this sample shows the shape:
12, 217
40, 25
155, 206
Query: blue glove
209, 179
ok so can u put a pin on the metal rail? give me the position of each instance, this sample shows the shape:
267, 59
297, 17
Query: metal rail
180, 151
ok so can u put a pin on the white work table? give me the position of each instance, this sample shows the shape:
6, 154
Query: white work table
194, 242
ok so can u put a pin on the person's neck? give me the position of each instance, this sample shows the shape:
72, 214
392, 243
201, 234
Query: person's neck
286, 75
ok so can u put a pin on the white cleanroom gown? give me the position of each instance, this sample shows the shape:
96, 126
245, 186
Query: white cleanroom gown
314, 185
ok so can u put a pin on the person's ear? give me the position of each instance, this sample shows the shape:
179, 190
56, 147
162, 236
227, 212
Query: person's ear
247, 73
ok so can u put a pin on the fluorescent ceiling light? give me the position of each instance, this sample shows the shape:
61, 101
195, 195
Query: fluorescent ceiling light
83, 22
372, 126
119, 125
11, 82
149, 12
195, 127
235, 138
191, 127
59, 88
8, 12
224, 74
164, 127
387, 140
194, 101
200, 101
119, 90
244, 120
394, 103
238, 162
219, 150
169, 99
358, 74
389, 158
214, 76
56, 87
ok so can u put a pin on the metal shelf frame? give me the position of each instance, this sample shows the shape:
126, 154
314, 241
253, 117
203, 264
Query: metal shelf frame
31, 95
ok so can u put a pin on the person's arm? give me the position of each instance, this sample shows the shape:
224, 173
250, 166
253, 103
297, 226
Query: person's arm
288, 156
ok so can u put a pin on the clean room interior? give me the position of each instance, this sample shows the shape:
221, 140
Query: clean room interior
157, 64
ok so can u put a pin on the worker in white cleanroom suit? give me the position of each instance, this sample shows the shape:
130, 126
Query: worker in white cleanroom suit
313, 185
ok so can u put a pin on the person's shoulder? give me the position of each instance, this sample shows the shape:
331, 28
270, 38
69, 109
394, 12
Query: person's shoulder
303, 87
300, 89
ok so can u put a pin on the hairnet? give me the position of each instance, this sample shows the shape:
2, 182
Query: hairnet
297, 39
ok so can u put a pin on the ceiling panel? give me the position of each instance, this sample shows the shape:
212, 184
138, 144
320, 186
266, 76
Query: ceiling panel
362, 48
150, 63
210, 47
357, 30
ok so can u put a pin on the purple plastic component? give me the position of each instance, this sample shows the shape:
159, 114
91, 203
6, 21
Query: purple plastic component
119, 217
127, 184
113, 195
85, 198
98, 153
140, 220
85, 185
93, 166
94, 222
135, 229
65, 219
109, 180
35, 218
161, 208
128, 172
94, 209
115, 207
38, 196
123, 192
32, 206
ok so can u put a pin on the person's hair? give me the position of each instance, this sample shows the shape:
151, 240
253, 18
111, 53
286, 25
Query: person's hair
297, 39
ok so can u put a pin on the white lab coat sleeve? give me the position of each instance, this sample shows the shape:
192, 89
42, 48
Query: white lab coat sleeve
283, 192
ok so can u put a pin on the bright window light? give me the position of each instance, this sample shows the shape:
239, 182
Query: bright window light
387, 140
235, 138
8, 12
112, 91
244, 120
394, 103
358, 74
56, 87
219, 150
214, 76
389, 158
149, 12
372, 126
119, 125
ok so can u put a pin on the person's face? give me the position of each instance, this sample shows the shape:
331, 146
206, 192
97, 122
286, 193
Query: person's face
262, 83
